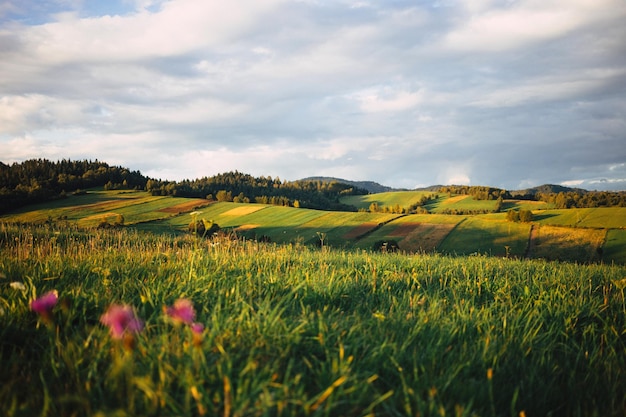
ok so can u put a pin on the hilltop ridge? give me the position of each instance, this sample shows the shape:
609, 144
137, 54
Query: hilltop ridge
40, 180
371, 186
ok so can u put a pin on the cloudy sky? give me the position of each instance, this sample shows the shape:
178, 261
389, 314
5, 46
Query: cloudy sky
506, 93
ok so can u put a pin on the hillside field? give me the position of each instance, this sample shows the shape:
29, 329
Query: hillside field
581, 235
292, 330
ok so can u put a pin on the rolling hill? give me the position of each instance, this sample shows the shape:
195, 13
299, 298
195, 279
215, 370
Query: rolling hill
577, 235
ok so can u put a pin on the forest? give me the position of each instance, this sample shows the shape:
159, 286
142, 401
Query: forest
40, 180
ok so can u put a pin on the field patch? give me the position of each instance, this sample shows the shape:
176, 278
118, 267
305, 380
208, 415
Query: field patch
244, 210
599, 217
455, 199
423, 237
566, 243
404, 230
613, 250
387, 199
489, 235
360, 230
185, 207
246, 227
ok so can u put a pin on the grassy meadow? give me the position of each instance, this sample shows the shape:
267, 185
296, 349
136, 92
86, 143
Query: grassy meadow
386, 199
291, 330
490, 234
579, 235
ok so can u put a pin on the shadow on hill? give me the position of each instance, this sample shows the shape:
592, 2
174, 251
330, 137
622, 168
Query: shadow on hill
543, 216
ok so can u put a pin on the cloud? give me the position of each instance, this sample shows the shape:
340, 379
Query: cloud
495, 29
404, 93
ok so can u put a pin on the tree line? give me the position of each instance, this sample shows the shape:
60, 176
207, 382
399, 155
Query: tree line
576, 198
245, 188
589, 199
40, 180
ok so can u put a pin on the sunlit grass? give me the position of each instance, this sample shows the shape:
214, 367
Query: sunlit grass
489, 234
387, 199
292, 331
601, 217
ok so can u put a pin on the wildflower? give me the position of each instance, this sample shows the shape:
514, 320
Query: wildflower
197, 330
121, 320
44, 305
197, 327
181, 312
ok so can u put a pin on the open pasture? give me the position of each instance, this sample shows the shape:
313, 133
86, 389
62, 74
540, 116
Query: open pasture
599, 217
338, 226
403, 199
614, 249
461, 203
525, 205
414, 233
487, 234
93, 207
294, 331
566, 243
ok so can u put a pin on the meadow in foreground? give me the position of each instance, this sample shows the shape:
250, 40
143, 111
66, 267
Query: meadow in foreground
230, 328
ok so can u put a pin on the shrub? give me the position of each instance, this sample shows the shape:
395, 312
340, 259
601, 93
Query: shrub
386, 246
204, 228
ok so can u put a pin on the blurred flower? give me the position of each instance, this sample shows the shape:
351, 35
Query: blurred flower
121, 319
16, 285
197, 330
44, 305
182, 311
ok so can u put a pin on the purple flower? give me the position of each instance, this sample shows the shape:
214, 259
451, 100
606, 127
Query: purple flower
182, 311
197, 328
121, 319
44, 304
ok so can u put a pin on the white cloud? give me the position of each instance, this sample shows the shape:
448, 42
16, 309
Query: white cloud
492, 29
383, 101
561, 87
387, 91
178, 27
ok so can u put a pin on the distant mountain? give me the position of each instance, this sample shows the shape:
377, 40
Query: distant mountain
371, 186
548, 189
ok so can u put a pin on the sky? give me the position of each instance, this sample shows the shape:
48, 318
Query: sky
504, 93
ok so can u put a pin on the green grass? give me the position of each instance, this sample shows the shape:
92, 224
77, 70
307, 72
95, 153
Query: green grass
96, 206
295, 331
404, 199
567, 243
601, 217
414, 233
462, 203
488, 234
613, 250
525, 205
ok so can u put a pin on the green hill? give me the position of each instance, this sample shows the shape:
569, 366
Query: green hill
581, 235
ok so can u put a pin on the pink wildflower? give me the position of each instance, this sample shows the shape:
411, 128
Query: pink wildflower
197, 330
182, 311
121, 319
44, 304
